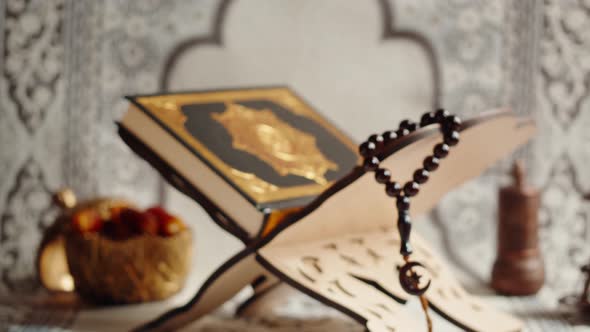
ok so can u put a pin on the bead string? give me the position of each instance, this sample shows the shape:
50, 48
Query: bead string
449, 126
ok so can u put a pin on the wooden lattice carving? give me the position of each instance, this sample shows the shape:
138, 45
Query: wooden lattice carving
342, 249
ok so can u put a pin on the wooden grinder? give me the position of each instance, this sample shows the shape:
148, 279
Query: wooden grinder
519, 267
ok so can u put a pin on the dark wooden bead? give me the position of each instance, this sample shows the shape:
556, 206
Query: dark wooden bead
406, 249
403, 203
412, 127
440, 115
404, 227
402, 132
411, 188
441, 150
452, 123
404, 220
367, 149
405, 124
377, 139
452, 139
427, 119
421, 176
371, 164
382, 175
431, 163
393, 189
389, 136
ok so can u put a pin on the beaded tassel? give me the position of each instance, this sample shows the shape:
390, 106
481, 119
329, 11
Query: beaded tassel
449, 126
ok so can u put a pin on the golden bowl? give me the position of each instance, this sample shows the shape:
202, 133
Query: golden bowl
136, 269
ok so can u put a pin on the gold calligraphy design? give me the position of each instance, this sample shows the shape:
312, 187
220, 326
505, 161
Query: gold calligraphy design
168, 109
286, 149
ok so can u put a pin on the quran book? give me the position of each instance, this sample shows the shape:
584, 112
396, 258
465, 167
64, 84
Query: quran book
250, 157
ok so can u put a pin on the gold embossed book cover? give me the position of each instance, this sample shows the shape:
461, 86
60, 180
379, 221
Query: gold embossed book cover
248, 156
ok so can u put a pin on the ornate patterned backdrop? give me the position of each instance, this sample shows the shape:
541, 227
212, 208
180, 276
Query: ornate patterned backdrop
65, 63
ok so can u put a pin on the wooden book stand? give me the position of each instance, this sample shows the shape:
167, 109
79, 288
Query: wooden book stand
342, 249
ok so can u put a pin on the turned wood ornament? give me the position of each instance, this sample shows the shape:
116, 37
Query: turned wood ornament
579, 302
519, 267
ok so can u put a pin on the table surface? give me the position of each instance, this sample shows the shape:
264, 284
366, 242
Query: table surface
64, 312
299, 313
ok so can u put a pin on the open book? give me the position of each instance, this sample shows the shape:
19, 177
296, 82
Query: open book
342, 247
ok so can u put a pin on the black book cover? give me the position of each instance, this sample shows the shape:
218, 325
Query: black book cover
267, 143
